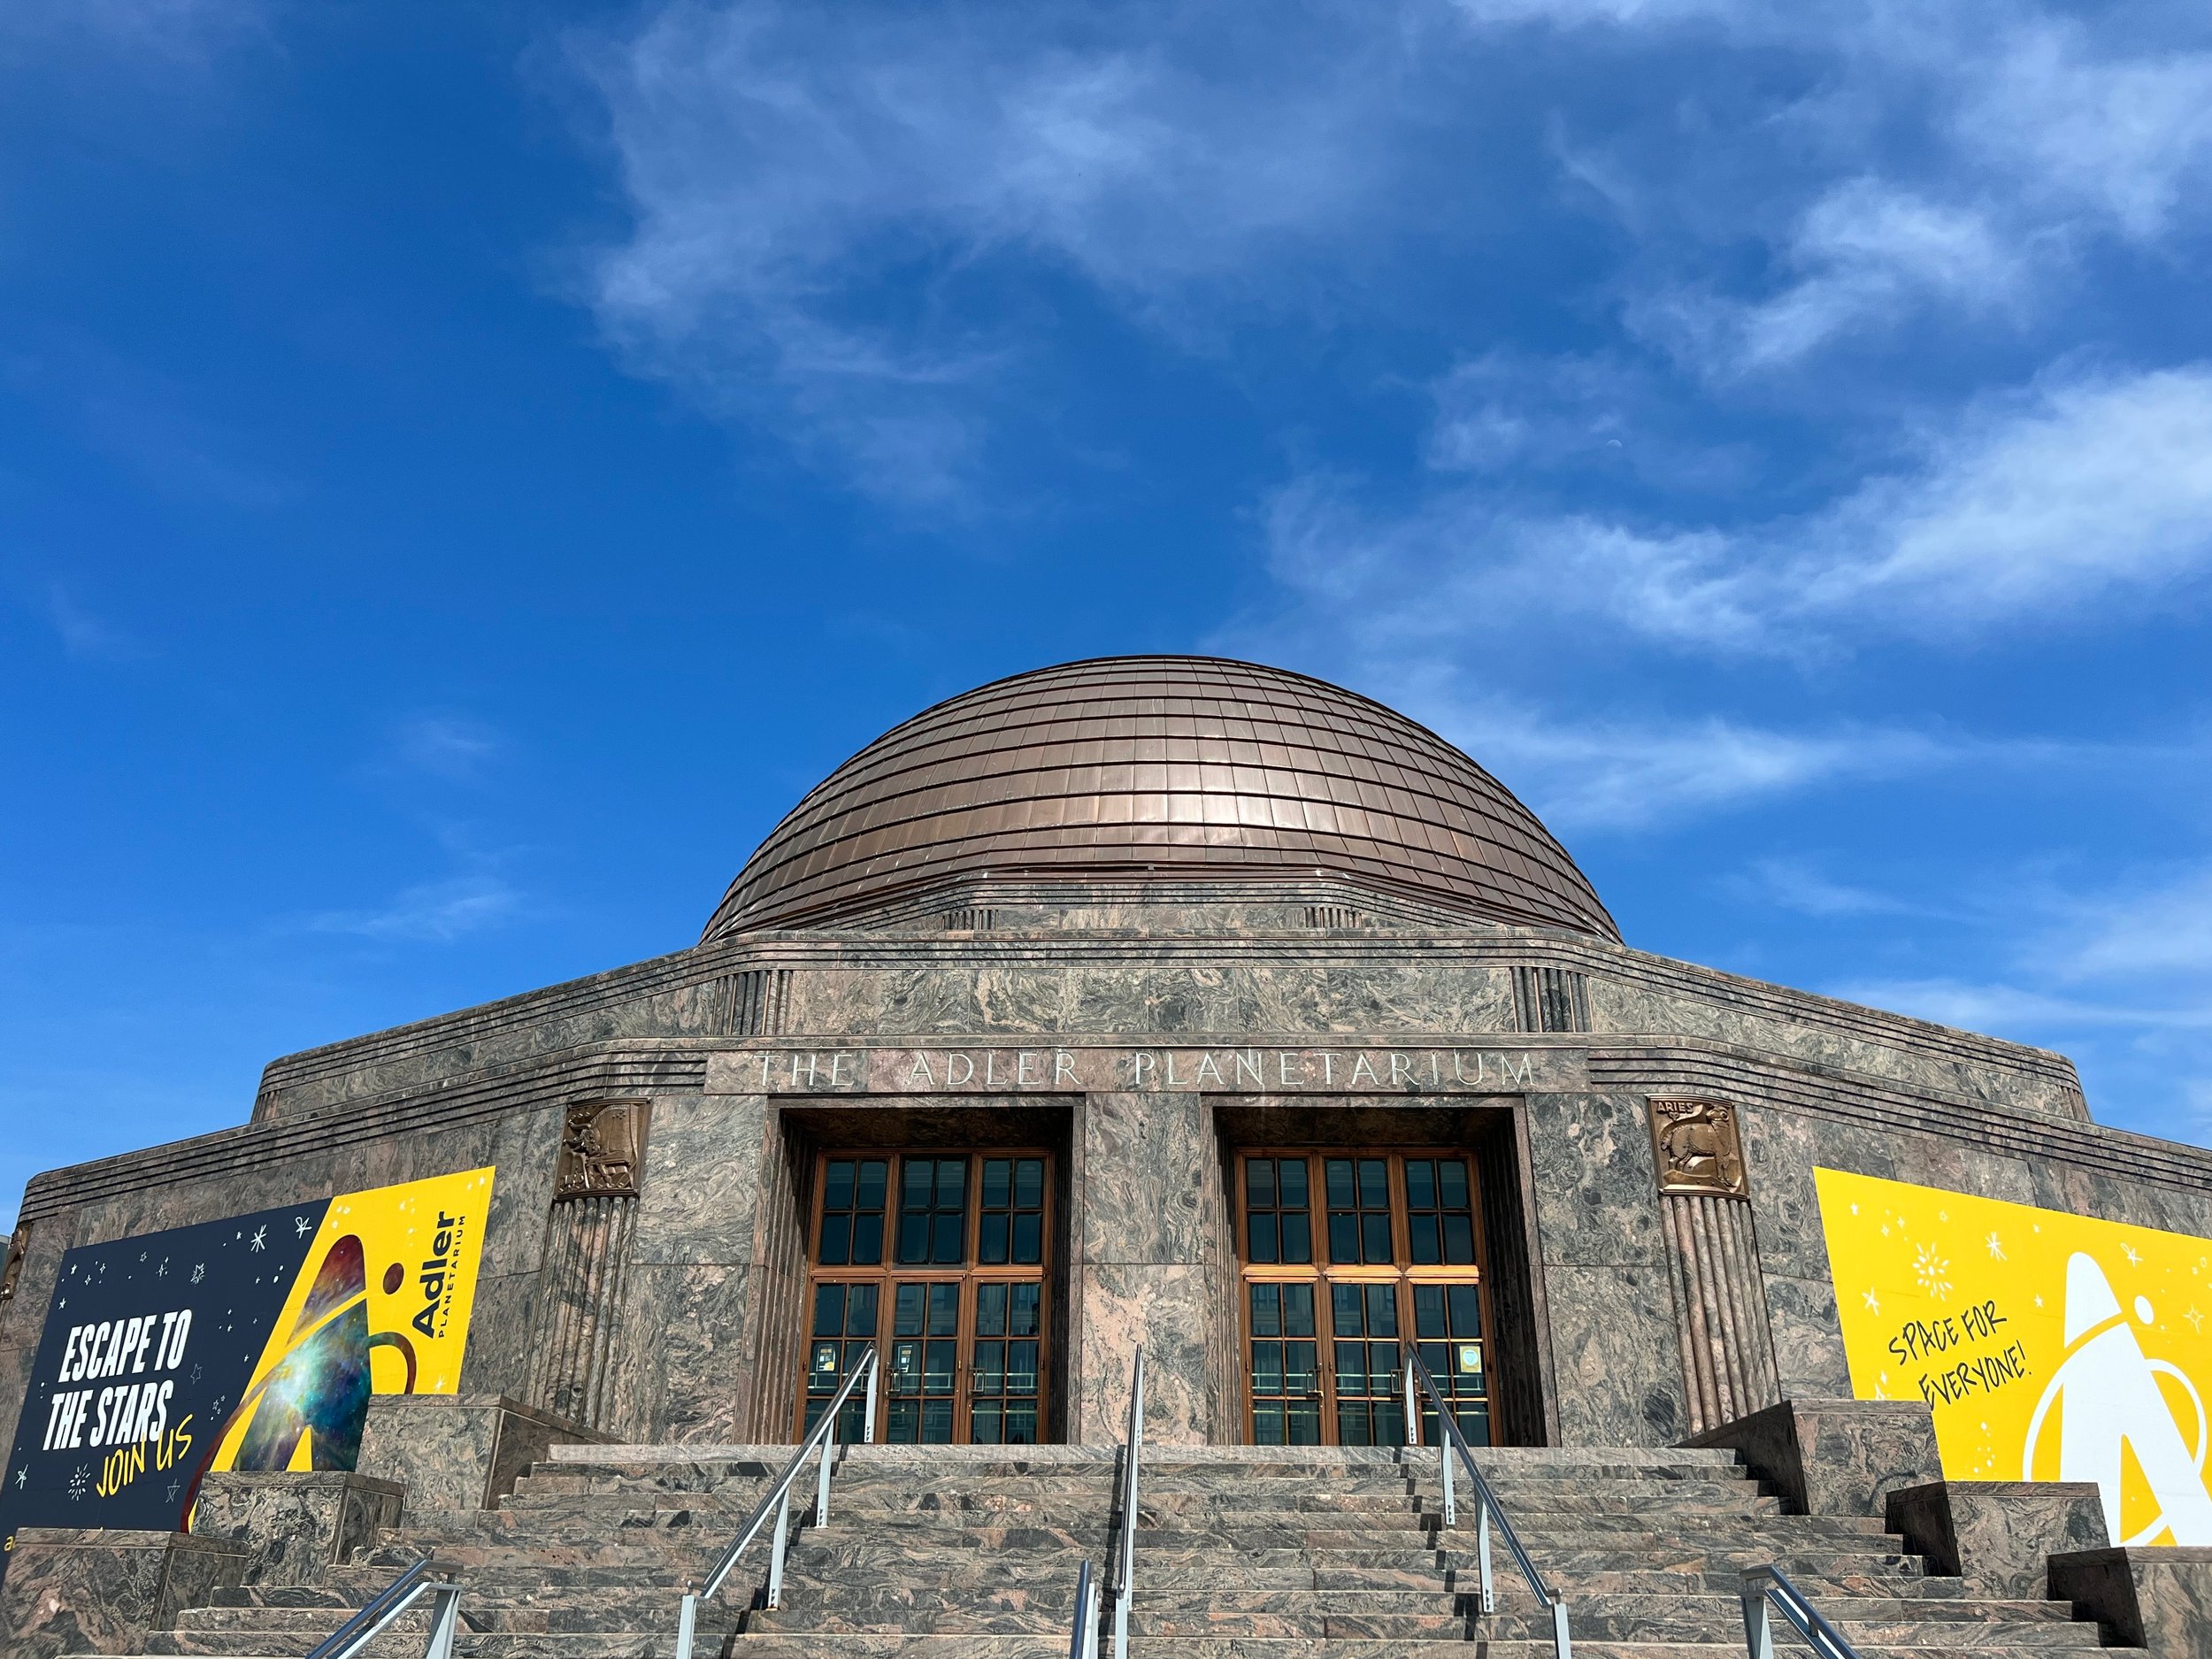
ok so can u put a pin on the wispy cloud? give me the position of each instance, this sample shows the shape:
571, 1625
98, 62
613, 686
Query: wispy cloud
86, 636
1584, 773
451, 748
433, 912
2054, 506
1795, 884
2118, 975
780, 162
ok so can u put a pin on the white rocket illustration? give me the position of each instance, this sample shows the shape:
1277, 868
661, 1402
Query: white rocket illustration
2109, 1399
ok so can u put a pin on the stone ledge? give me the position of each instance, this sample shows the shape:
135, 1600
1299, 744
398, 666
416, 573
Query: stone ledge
458, 1451
1834, 1456
1999, 1535
2158, 1599
74, 1590
294, 1527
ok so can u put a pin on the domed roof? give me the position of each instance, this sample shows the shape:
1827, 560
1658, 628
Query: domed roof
1178, 765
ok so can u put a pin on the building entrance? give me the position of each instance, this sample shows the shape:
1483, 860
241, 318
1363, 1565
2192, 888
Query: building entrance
1345, 1256
939, 1258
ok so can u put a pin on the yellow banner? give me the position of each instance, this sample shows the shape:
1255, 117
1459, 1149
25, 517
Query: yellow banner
380, 1305
2052, 1346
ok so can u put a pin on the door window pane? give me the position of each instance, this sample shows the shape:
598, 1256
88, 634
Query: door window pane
923, 1361
1448, 1327
1285, 1366
844, 1326
1002, 1388
1370, 1397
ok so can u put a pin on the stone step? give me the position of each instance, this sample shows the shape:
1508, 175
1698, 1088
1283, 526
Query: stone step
1059, 1598
1686, 1619
778, 1645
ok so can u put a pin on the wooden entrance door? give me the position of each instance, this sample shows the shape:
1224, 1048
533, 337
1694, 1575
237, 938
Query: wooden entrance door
942, 1260
1345, 1255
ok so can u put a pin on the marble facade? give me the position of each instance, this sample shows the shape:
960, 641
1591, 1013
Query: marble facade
1130, 1051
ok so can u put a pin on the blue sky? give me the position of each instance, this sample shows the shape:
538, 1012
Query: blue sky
465, 470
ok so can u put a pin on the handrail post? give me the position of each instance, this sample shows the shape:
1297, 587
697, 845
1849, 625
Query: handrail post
868, 1421
445, 1617
822, 1480
1451, 1502
1482, 1550
1561, 1644
686, 1624
776, 1552
1413, 1414
1758, 1628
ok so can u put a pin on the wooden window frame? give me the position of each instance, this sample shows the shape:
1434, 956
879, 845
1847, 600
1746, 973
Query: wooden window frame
1321, 1273
889, 1273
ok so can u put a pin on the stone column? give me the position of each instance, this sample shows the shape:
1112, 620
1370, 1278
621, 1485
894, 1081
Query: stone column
1728, 1368
1148, 1269
587, 1260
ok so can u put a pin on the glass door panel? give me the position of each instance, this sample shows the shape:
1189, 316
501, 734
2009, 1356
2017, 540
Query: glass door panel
1448, 1329
1370, 1389
844, 1326
1284, 1365
923, 1367
1003, 1386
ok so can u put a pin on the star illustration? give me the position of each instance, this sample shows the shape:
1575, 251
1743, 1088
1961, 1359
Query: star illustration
162, 1271
175, 1487
2134, 1260
1996, 1249
22, 1477
199, 1272
260, 1239
196, 1373
2195, 1319
1873, 1303
301, 1226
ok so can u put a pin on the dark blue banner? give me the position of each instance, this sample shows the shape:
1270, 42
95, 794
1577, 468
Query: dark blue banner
149, 1345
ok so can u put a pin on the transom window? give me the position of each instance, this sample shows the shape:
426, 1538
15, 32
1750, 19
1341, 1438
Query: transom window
1400, 1259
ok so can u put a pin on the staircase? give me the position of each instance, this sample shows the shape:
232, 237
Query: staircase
1242, 1553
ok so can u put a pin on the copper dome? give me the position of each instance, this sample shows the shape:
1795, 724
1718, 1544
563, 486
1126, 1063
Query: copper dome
1178, 765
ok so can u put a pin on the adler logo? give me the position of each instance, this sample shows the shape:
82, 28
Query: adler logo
2106, 1401
437, 1278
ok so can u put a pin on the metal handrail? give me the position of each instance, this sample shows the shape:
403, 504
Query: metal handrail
822, 1438
1083, 1632
1486, 1503
1126, 1534
1770, 1584
394, 1599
